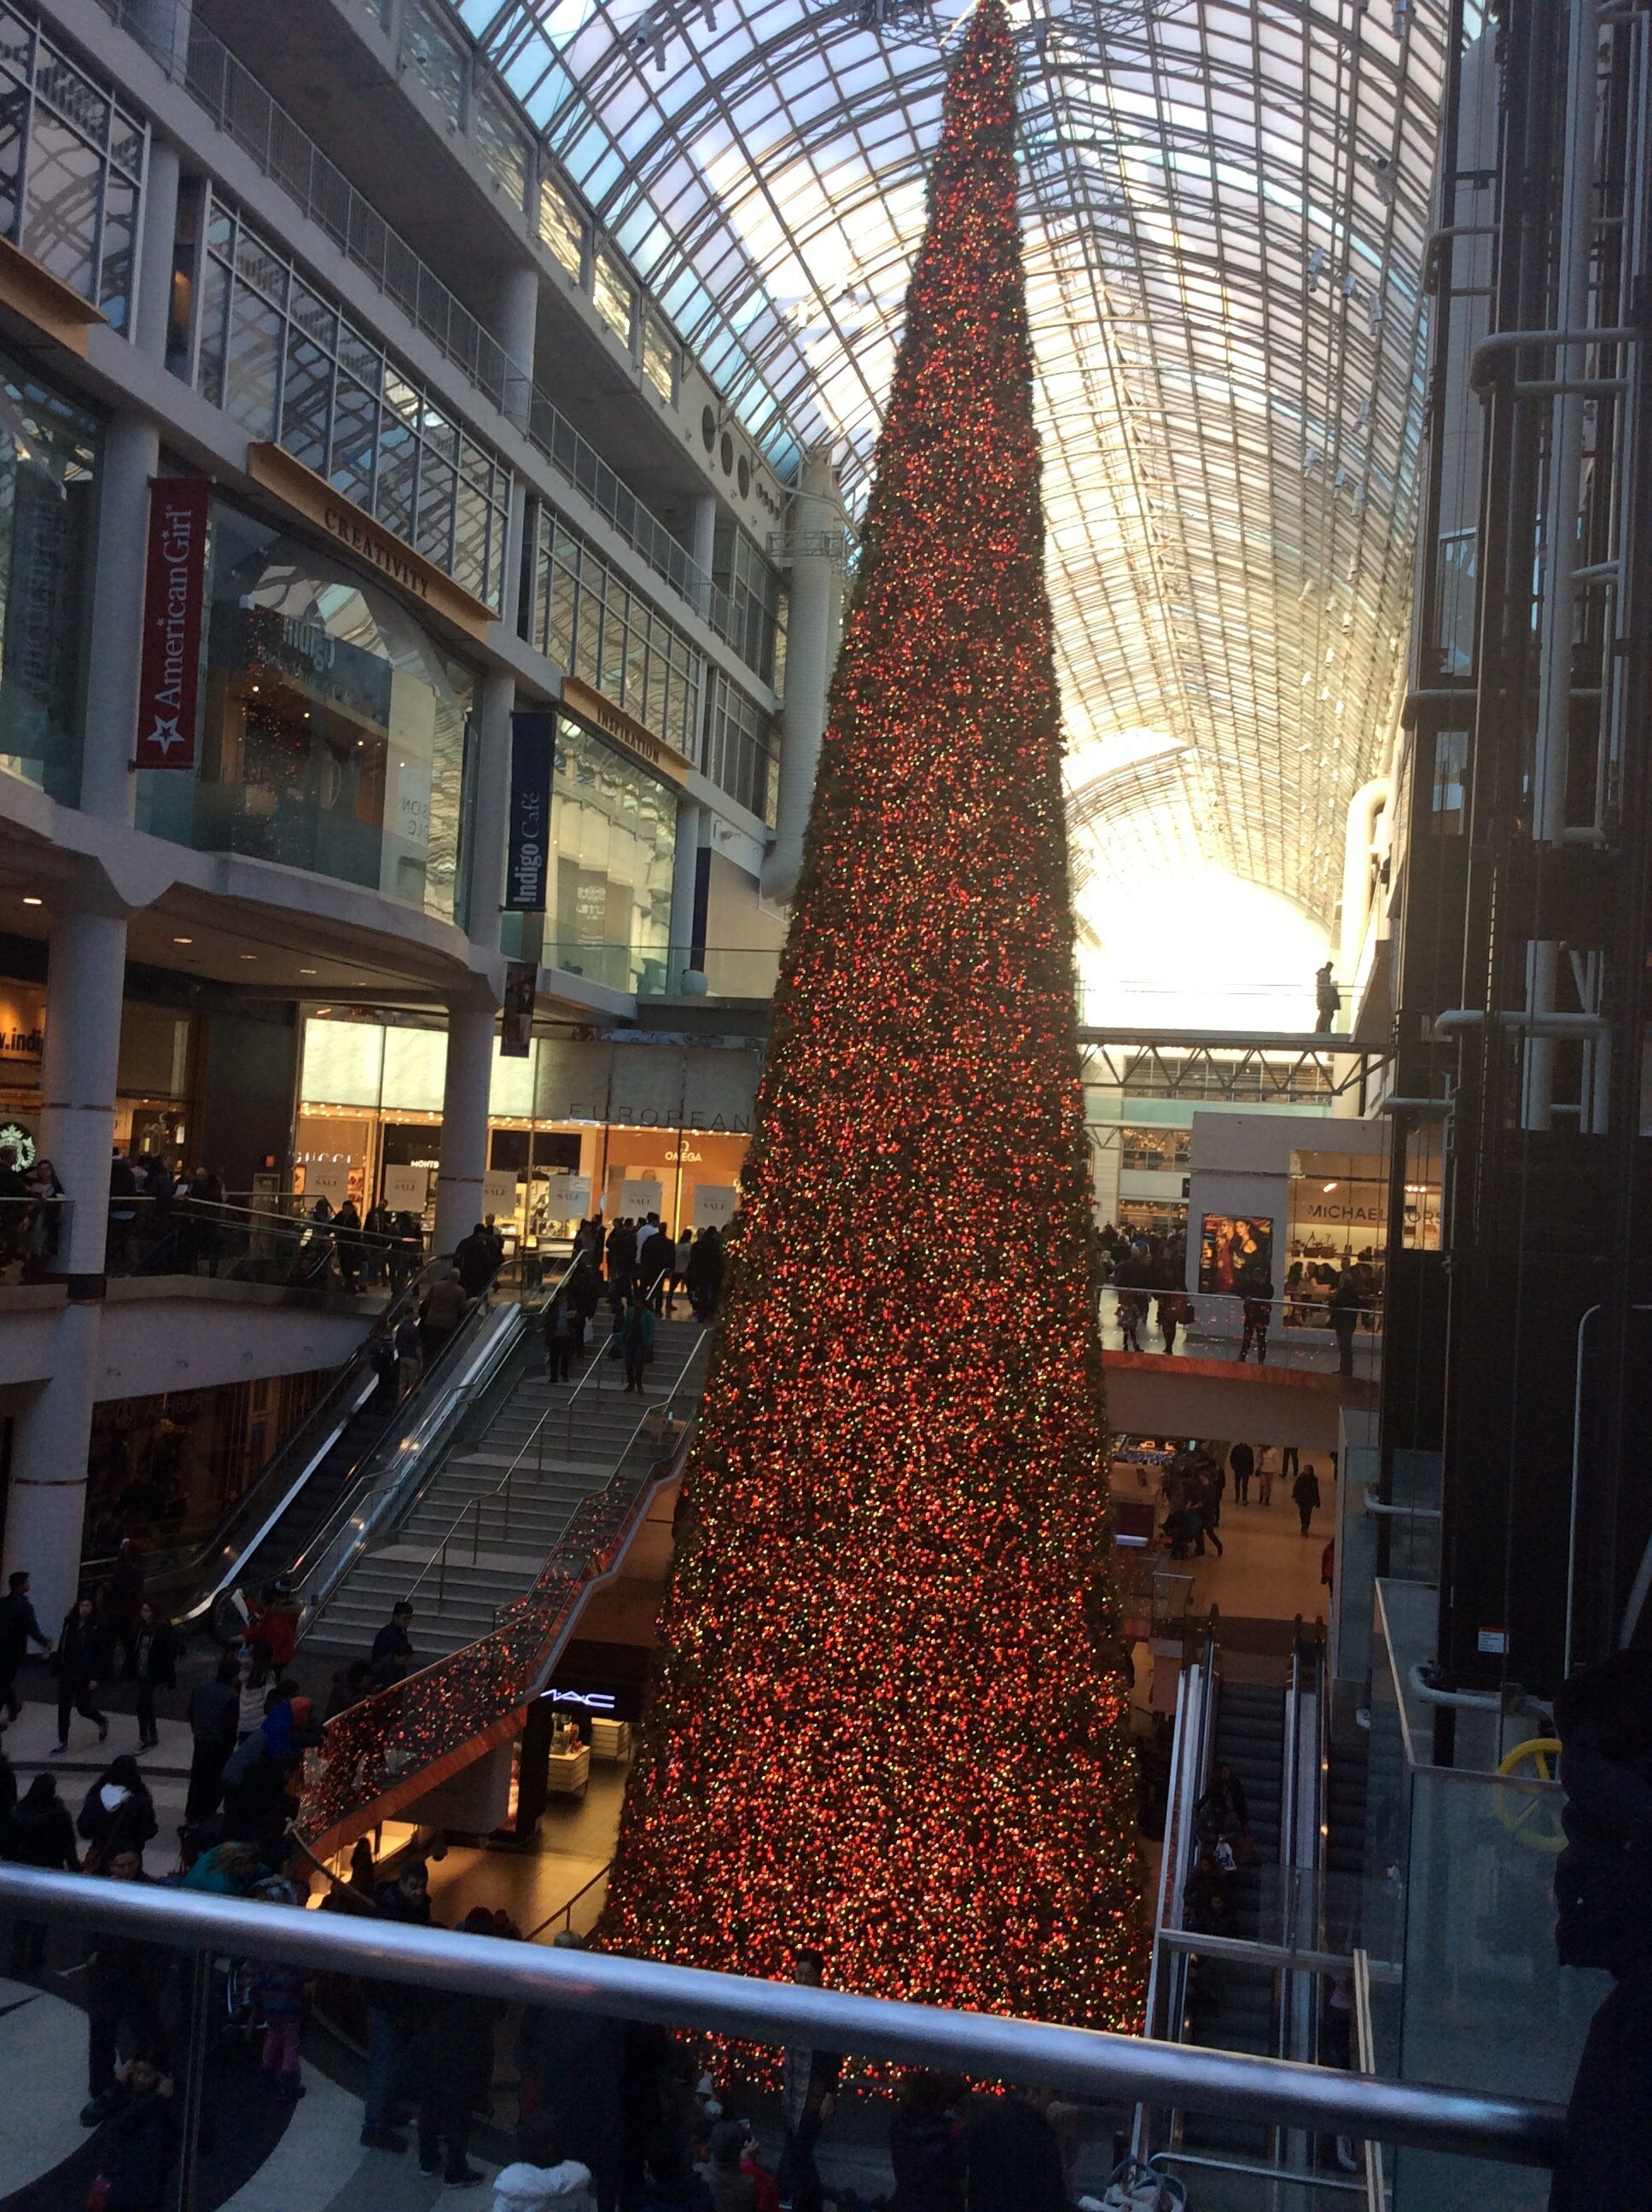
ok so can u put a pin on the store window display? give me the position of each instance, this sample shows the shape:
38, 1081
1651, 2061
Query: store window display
336, 727
613, 831
48, 475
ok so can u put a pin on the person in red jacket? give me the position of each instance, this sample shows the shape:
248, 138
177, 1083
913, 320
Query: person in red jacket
273, 1621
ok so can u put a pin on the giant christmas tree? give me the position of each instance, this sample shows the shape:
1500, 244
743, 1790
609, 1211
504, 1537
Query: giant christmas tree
888, 1719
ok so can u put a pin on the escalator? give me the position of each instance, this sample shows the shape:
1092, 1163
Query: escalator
1235, 2002
282, 1524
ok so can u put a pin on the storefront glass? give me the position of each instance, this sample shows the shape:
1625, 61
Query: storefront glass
151, 1112
613, 831
48, 475
335, 730
1339, 1206
571, 1126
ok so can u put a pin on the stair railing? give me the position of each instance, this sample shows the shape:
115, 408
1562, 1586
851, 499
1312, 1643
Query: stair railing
395, 1475
471, 1510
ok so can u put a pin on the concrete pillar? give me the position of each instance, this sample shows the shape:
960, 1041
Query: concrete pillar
86, 983
464, 1123
131, 455
515, 322
704, 545
152, 308
814, 617
52, 1432
685, 872
490, 806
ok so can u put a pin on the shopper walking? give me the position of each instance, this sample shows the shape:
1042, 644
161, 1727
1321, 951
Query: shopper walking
681, 1253
214, 1706
123, 1597
1174, 1312
1255, 1311
18, 1629
118, 1814
398, 2015
1306, 1492
81, 1662
153, 1666
392, 1655
475, 1258
1288, 1463
124, 1980
808, 2099
636, 1336
446, 1305
39, 1833
1327, 999
1347, 1300
559, 1339
1242, 1460
1264, 1478
705, 1274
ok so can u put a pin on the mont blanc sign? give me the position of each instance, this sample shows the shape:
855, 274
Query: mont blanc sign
175, 596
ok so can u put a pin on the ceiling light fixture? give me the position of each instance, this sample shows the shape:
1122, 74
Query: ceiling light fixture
183, 940
29, 899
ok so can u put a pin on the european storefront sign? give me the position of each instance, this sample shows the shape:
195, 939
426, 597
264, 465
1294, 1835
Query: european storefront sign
174, 597
528, 859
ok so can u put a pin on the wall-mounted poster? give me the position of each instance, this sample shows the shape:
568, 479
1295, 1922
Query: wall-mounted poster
1235, 1256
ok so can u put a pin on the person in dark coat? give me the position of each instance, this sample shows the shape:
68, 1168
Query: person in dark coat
1306, 1492
39, 1833
18, 1629
925, 2147
705, 1274
476, 1261
1012, 2159
1347, 1302
152, 1664
456, 2074
82, 1660
214, 1710
1242, 1460
144, 2129
574, 2064
1603, 1890
125, 1983
123, 1597
118, 1813
400, 2014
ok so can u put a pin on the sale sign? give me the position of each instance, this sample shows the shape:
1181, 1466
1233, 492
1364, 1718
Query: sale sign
174, 600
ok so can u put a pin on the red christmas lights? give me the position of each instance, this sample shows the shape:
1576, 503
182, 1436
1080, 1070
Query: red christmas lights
888, 1717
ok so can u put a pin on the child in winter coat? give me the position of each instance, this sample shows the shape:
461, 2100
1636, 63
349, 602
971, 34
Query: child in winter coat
280, 1991
539, 2181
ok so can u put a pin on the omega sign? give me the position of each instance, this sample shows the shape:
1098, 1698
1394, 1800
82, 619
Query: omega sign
174, 593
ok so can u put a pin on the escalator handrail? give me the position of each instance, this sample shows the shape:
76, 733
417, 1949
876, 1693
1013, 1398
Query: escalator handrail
305, 1447
373, 1501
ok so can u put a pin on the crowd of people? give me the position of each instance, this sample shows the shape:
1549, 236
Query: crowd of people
640, 1270
1148, 1271
1194, 1488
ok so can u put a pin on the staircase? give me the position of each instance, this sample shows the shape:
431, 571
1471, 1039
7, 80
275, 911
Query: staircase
1233, 2005
564, 1441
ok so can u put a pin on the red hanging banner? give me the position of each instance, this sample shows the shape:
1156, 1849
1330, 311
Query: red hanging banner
174, 597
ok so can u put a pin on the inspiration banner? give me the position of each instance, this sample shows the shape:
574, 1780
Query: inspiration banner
174, 600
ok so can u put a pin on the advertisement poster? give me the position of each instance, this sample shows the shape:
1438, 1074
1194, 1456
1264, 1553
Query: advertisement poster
498, 1193
174, 597
638, 1199
714, 1204
407, 1189
1236, 1254
528, 849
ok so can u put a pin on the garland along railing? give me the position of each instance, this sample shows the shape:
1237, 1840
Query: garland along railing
392, 1747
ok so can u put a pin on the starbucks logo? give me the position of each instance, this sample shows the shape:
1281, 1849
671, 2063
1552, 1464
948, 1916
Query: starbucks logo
15, 1140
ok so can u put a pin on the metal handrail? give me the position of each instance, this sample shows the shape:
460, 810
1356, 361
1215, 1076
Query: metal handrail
448, 1404
438, 1556
1109, 2068
565, 1912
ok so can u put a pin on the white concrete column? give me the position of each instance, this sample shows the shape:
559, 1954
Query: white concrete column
703, 544
490, 806
51, 1436
464, 1123
131, 455
685, 871
152, 308
814, 615
515, 322
85, 985
52, 1433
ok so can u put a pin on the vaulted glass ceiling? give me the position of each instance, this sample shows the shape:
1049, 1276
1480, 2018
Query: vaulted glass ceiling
1226, 209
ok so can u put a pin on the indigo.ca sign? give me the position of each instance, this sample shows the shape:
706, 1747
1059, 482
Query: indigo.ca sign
527, 860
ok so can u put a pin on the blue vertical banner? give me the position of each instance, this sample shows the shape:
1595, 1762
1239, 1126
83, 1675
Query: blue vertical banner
528, 859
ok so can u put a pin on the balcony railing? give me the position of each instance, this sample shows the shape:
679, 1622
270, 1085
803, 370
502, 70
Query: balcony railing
239, 105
